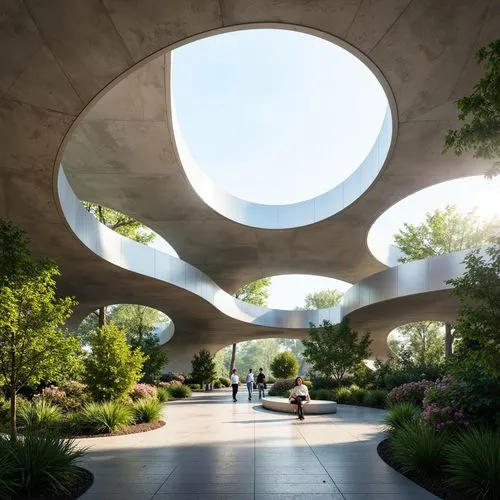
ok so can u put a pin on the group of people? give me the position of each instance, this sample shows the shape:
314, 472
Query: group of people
298, 395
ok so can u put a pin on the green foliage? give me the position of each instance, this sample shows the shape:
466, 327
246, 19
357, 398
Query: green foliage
181, 391
163, 394
358, 395
473, 463
257, 354
33, 346
111, 380
376, 398
342, 395
284, 365
217, 384
322, 299
282, 387
479, 315
226, 382
333, 350
194, 387
419, 449
103, 418
324, 394
443, 232
43, 463
39, 414
270, 379
9, 478
481, 112
147, 410
362, 375
321, 382
120, 223
255, 293
203, 367
400, 414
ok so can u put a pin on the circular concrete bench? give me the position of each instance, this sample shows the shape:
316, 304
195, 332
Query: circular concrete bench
313, 407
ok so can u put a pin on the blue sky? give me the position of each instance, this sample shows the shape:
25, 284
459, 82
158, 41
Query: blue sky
278, 116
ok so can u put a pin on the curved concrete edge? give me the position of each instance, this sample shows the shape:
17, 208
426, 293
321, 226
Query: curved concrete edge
313, 407
293, 215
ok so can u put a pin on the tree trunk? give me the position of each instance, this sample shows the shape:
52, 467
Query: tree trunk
13, 408
102, 316
448, 340
233, 360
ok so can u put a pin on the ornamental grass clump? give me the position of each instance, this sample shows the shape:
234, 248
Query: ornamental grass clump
342, 395
418, 448
103, 418
399, 415
357, 396
376, 398
163, 394
180, 391
412, 392
473, 463
9, 478
147, 410
226, 382
39, 414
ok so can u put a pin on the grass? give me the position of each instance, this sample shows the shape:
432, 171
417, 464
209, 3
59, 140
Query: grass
163, 395
342, 395
39, 414
102, 418
399, 414
147, 410
358, 395
375, 398
473, 463
419, 448
9, 480
181, 391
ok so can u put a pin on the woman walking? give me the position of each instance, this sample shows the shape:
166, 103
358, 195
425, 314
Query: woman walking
299, 394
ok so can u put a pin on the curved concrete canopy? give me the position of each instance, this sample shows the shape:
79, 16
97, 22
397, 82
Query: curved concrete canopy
55, 57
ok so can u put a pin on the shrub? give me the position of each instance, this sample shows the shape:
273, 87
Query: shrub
194, 387
320, 382
102, 418
342, 395
226, 382
324, 394
412, 392
108, 380
357, 396
45, 463
147, 410
419, 449
170, 376
308, 384
473, 463
181, 391
143, 391
285, 365
376, 398
163, 394
76, 395
400, 414
39, 414
270, 379
390, 378
217, 384
281, 387
52, 395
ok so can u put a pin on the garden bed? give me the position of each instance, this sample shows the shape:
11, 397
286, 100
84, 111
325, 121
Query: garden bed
81, 483
435, 485
130, 429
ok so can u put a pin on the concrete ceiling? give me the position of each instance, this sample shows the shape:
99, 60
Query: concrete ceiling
55, 57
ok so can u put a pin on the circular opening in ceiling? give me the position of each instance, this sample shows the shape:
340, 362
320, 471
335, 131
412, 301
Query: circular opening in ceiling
277, 117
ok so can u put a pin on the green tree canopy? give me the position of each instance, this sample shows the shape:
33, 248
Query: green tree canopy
322, 299
203, 367
112, 367
256, 293
481, 112
284, 365
333, 350
257, 354
421, 343
33, 346
443, 232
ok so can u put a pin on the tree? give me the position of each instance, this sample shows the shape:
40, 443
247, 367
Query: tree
479, 315
284, 365
33, 347
257, 354
333, 350
322, 299
443, 232
481, 110
203, 367
140, 324
112, 367
255, 293
423, 342
121, 224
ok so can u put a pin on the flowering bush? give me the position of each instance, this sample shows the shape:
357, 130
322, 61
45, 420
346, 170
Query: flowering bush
170, 376
143, 391
52, 395
168, 385
412, 392
442, 405
74, 389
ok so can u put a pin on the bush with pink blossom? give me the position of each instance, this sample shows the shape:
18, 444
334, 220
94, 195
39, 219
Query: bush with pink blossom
143, 391
412, 392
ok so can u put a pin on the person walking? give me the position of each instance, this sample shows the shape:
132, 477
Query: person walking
235, 380
250, 384
299, 394
261, 383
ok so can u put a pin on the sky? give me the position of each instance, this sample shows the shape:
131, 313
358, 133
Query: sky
277, 116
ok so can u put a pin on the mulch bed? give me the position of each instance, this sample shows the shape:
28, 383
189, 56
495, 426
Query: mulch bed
82, 482
131, 429
435, 485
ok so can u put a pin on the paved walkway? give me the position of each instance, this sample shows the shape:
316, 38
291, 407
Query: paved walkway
213, 449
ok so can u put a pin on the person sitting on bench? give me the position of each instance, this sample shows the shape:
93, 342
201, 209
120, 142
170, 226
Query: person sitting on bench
299, 395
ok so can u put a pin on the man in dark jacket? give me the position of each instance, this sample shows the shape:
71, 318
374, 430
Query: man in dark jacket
261, 383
